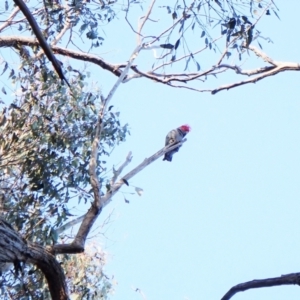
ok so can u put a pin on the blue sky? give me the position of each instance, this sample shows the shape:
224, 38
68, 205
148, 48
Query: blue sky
226, 210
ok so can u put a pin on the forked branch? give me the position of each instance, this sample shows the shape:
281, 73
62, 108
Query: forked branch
89, 218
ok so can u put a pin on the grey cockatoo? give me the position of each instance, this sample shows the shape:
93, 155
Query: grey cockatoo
175, 136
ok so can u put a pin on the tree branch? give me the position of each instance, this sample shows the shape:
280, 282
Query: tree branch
70, 224
41, 39
168, 79
285, 66
10, 18
116, 187
77, 245
120, 169
145, 18
112, 181
261, 54
14, 249
90, 217
289, 279
14, 41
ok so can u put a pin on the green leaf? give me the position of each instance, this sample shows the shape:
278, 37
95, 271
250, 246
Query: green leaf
274, 11
245, 19
91, 35
12, 73
187, 63
167, 46
177, 44
5, 68
83, 27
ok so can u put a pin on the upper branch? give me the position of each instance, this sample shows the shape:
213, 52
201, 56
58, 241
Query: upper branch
13, 41
121, 70
283, 66
145, 19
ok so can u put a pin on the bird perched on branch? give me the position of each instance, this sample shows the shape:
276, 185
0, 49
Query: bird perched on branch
173, 137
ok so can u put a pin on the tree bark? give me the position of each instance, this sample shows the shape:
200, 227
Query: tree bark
14, 249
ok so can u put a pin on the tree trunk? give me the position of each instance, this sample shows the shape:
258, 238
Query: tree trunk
14, 249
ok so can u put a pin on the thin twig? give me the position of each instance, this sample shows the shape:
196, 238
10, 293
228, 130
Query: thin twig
126, 18
121, 168
10, 18
145, 20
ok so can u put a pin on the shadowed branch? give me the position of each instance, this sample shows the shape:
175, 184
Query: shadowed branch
289, 279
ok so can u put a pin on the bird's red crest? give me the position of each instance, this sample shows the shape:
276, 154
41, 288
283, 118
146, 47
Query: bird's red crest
185, 128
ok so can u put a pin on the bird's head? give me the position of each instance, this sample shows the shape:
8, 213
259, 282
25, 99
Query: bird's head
186, 128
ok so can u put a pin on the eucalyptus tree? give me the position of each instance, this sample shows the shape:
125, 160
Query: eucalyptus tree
57, 130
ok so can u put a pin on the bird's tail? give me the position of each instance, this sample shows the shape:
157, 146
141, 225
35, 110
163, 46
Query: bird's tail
167, 157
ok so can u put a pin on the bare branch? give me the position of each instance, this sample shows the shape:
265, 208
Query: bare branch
126, 18
262, 55
145, 18
168, 78
226, 50
239, 71
281, 67
124, 73
189, 88
69, 225
289, 279
117, 69
10, 18
116, 187
13, 41
77, 245
120, 169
